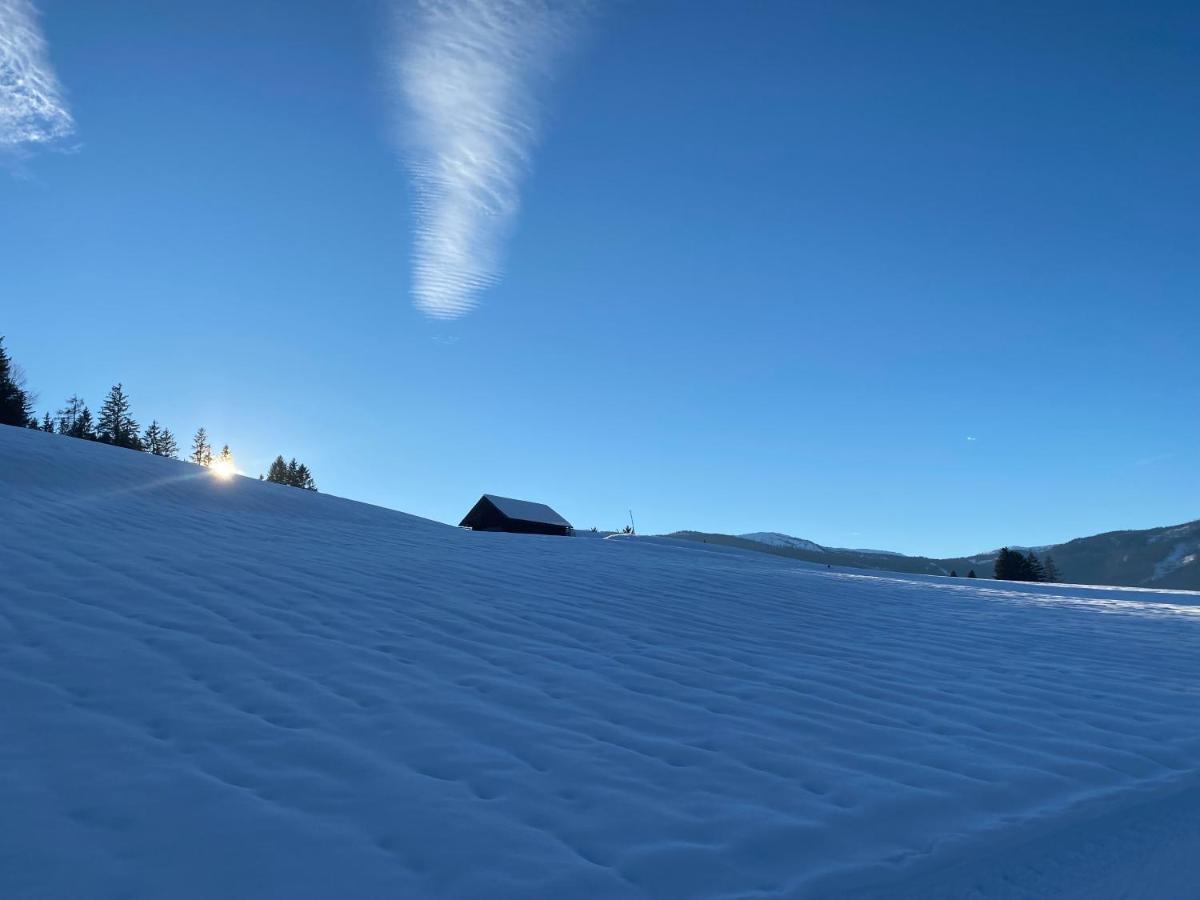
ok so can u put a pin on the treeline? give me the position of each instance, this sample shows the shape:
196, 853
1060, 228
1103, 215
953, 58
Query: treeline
115, 425
1012, 565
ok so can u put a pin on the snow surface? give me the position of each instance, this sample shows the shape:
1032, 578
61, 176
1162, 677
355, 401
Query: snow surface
239, 689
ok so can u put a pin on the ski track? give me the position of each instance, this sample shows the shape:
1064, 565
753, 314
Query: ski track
240, 689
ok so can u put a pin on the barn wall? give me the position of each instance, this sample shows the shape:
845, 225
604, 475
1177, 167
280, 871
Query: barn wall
516, 526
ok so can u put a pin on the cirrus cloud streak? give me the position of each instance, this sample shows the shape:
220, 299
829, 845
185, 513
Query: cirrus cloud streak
469, 73
32, 109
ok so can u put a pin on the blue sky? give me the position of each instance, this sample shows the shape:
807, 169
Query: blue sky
913, 276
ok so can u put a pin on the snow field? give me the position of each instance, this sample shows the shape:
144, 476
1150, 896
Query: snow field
240, 689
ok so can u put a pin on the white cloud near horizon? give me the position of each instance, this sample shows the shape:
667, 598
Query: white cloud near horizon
32, 109
469, 72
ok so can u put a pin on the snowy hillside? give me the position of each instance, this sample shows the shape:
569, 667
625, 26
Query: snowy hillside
238, 689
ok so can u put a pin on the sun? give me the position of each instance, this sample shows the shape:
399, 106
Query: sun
223, 469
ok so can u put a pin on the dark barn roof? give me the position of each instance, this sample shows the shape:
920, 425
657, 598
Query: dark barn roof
494, 513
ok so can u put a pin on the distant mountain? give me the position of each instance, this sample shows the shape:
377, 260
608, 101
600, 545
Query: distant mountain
861, 559
1157, 557
775, 539
1166, 557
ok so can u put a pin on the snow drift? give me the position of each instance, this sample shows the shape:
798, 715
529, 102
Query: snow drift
240, 689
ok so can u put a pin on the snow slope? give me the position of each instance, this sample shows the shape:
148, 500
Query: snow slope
238, 689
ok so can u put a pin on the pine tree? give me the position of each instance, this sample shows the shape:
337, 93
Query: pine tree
1033, 570
971, 574
70, 417
225, 457
201, 449
47, 423
1009, 565
151, 438
1051, 570
953, 573
304, 478
293, 469
167, 445
16, 405
85, 426
278, 473
115, 425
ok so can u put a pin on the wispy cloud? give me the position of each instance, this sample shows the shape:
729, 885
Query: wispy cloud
470, 72
32, 109
1151, 460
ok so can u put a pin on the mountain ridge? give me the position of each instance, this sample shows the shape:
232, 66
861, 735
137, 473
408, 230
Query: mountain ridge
1164, 557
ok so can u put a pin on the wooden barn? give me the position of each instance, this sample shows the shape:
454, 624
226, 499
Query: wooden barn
494, 513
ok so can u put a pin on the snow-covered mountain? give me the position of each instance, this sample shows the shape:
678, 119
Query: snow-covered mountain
775, 539
239, 689
778, 539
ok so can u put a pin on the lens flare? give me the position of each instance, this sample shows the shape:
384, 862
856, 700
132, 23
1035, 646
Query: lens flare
223, 469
